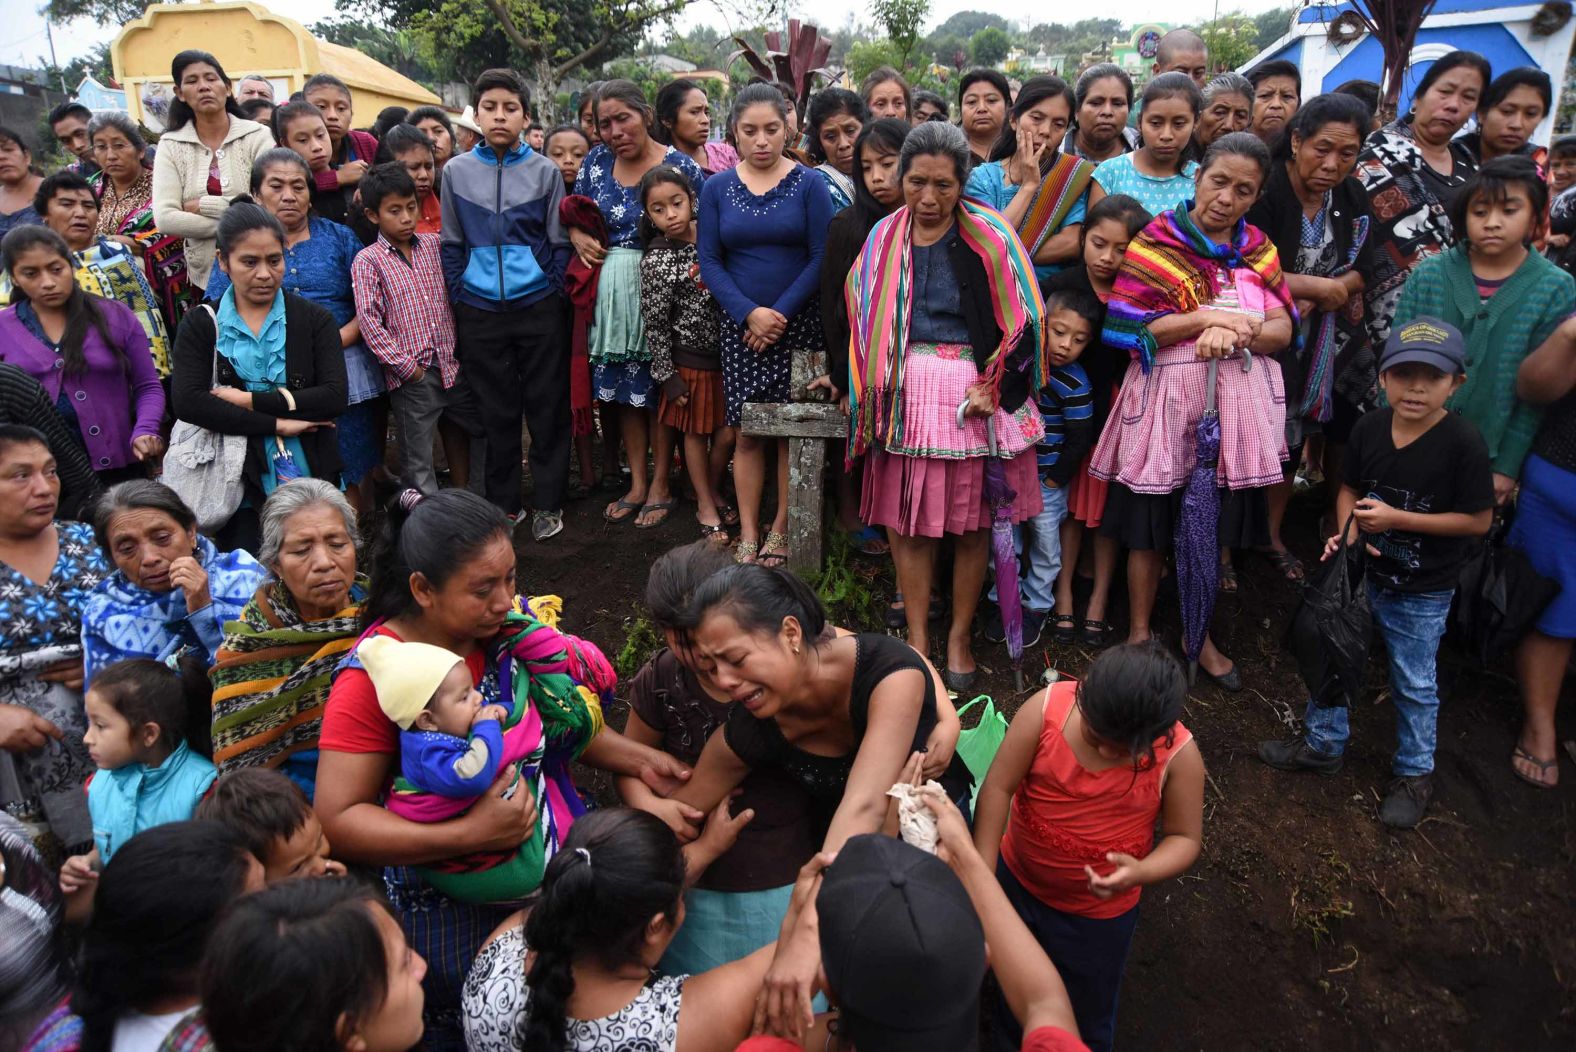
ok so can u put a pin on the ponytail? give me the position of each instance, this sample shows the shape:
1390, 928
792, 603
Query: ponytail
176, 696
616, 871
433, 536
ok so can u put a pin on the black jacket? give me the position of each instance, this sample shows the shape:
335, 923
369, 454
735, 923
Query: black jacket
314, 373
24, 401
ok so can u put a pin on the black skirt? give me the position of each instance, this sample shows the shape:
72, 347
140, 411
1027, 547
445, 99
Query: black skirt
1146, 522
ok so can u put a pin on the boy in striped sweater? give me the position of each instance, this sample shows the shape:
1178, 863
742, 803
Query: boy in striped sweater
1072, 320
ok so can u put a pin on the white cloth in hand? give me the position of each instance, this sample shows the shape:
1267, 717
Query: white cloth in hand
915, 822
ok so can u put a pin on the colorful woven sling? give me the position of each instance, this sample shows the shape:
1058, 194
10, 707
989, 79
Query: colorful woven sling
1062, 185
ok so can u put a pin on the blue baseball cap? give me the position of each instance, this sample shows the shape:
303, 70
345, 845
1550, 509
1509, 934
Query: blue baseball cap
1427, 341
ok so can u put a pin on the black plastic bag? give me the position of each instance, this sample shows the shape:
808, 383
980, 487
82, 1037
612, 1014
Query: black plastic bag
1329, 632
1498, 597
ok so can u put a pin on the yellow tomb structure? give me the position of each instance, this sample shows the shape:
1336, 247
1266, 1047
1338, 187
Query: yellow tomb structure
247, 38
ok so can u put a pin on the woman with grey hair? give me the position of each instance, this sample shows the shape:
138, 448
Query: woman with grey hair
947, 336
1104, 96
1228, 107
272, 673
124, 184
172, 589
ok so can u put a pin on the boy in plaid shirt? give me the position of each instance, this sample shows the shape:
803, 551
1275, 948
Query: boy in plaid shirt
403, 306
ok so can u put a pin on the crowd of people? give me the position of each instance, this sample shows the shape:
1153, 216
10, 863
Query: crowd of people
366, 746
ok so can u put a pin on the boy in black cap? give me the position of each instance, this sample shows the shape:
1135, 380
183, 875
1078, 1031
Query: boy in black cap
1418, 482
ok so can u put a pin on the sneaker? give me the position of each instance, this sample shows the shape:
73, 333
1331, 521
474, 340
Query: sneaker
1033, 625
1406, 801
991, 627
1295, 755
515, 518
545, 524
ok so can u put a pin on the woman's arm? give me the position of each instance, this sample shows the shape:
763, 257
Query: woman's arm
1171, 329
326, 398
885, 749
683, 819
708, 245
191, 369
1006, 772
718, 772
169, 201
362, 831
1548, 373
147, 394
818, 215
1062, 246
1275, 335
719, 1005
611, 751
1181, 831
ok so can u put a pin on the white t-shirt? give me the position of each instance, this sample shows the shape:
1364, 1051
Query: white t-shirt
138, 1032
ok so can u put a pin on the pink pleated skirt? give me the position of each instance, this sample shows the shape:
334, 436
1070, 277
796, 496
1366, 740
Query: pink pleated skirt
933, 496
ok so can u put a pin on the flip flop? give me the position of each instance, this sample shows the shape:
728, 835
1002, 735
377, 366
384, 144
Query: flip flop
774, 552
1542, 765
631, 506
664, 506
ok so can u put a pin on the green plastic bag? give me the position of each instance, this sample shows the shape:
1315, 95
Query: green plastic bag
978, 744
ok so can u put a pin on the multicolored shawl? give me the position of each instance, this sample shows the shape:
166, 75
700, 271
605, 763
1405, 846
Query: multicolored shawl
1062, 182
879, 293
1319, 384
163, 255
272, 674
1171, 267
554, 686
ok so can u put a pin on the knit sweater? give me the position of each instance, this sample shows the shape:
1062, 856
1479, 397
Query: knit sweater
180, 174
1499, 332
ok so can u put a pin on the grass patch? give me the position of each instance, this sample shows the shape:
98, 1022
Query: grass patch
844, 586
641, 640
1319, 903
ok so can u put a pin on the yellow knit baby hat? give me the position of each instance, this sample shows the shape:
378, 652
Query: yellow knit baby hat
405, 675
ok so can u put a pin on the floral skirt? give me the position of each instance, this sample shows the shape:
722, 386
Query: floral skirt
626, 383
764, 376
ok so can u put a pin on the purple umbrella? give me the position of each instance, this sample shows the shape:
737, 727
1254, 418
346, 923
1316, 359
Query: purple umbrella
999, 497
1197, 531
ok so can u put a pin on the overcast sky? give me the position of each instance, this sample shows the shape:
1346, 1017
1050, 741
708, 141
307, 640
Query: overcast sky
26, 43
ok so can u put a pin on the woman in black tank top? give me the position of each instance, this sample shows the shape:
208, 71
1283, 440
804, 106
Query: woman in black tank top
841, 715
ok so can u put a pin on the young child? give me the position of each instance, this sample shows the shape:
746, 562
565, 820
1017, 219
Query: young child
566, 146
403, 307
452, 748
674, 705
147, 732
681, 330
1503, 298
1417, 481
272, 817
504, 251
1072, 320
351, 152
1562, 208
1087, 768
1158, 173
1107, 229
410, 148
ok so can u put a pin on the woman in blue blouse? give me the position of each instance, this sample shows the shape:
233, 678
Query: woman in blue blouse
762, 231
620, 361
318, 254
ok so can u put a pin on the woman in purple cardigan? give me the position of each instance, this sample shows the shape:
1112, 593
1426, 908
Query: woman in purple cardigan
90, 355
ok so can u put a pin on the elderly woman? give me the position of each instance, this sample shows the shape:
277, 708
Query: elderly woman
48, 568
1411, 169
1103, 98
1198, 283
1317, 215
620, 359
947, 336
18, 183
124, 183
1042, 191
264, 363
318, 254
444, 574
204, 159
272, 673
835, 118
171, 590
1228, 107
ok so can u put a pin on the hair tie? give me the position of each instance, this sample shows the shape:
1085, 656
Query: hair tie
584, 853
410, 497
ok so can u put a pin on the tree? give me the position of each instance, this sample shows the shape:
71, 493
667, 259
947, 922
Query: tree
867, 56
104, 12
990, 46
399, 49
1394, 23
95, 64
1272, 25
1232, 39
966, 23
903, 19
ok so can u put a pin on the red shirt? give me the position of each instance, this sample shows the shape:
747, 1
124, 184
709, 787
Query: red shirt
354, 722
1065, 816
431, 219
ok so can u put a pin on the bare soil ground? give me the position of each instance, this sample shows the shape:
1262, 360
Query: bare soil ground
1305, 923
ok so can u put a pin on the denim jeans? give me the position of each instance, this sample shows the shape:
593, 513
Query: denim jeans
1042, 537
1412, 624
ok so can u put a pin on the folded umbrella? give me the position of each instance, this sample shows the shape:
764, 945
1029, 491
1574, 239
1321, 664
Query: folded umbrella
1197, 530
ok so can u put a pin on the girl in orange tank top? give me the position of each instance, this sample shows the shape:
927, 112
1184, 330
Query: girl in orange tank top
1086, 769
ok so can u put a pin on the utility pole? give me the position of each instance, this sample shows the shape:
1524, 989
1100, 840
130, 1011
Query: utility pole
49, 34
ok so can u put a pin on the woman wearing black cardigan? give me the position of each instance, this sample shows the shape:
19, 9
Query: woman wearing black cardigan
280, 371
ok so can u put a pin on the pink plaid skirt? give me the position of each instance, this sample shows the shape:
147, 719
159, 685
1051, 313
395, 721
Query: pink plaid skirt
1148, 441
932, 496
936, 380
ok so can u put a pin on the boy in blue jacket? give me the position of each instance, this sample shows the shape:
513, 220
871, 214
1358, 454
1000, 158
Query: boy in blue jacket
504, 253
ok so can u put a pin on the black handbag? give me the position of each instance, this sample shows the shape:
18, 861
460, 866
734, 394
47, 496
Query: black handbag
1498, 596
1329, 632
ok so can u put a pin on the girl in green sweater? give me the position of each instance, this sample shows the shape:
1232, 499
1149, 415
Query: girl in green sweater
1504, 298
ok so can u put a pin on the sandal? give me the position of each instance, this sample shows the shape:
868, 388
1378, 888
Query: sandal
774, 553
868, 542
746, 551
1543, 766
1096, 633
896, 613
728, 513
1285, 563
716, 533
632, 507
1228, 579
663, 506
1064, 628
